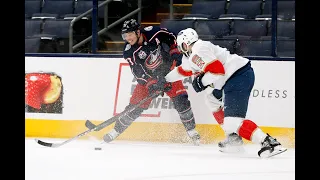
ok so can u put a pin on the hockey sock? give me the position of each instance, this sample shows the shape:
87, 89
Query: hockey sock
187, 119
125, 121
250, 131
219, 116
183, 106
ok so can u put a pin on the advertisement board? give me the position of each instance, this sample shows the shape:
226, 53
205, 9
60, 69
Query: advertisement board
75, 89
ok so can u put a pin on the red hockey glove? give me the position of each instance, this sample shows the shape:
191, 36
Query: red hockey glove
155, 85
175, 55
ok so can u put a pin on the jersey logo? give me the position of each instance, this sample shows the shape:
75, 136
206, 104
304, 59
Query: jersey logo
142, 54
128, 46
154, 59
198, 61
149, 28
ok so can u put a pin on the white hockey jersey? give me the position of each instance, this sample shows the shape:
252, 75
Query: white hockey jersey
216, 62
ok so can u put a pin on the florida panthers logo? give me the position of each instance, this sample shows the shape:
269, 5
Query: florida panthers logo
198, 61
154, 59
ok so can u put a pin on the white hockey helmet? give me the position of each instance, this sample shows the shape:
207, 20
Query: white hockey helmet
187, 37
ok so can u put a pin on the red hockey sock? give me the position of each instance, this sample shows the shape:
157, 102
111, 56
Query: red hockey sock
247, 129
219, 116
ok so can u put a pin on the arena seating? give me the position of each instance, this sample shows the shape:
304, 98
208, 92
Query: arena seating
233, 8
285, 8
254, 28
56, 8
214, 28
32, 45
286, 48
32, 7
249, 8
242, 26
53, 31
207, 9
253, 36
177, 25
286, 28
32, 27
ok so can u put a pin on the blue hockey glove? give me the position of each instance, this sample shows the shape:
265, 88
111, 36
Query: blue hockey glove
197, 83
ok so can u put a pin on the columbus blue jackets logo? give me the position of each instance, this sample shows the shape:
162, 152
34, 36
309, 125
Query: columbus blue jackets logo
154, 59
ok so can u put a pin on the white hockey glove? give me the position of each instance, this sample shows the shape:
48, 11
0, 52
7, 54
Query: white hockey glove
214, 99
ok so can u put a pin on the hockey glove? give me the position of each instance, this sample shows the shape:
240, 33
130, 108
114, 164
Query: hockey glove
215, 100
197, 83
155, 85
175, 55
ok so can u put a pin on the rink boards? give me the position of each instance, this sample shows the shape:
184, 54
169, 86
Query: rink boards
99, 88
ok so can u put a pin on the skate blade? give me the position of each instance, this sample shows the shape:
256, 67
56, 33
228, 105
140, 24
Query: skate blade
274, 153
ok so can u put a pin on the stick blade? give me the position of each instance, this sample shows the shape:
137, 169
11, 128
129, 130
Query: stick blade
89, 125
45, 143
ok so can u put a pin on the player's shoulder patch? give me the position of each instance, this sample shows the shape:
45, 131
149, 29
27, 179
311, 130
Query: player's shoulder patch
148, 28
128, 46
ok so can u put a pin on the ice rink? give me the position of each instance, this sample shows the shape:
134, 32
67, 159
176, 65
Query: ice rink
121, 160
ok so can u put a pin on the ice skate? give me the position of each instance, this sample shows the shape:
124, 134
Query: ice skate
110, 136
194, 136
270, 147
232, 144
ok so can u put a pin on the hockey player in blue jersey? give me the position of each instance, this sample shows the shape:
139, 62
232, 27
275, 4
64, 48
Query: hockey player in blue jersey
152, 53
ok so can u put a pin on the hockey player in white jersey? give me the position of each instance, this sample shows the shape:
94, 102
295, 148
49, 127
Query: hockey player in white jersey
227, 80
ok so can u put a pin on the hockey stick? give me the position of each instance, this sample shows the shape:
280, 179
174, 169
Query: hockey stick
99, 126
90, 125
106, 123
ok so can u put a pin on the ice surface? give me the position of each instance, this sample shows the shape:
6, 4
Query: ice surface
122, 160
